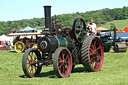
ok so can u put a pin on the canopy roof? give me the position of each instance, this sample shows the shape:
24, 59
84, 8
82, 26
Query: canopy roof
27, 28
101, 28
4, 37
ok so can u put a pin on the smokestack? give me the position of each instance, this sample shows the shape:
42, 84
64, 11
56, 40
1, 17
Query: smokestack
114, 36
47, 13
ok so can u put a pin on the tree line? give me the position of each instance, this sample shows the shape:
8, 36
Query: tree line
99, 16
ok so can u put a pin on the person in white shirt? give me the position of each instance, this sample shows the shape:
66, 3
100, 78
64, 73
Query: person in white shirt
91, 28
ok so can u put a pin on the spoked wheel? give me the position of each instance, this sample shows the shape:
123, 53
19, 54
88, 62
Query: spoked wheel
89, 28
107, 48
92, 53
79, 30
62, 62
29, 62
19, 47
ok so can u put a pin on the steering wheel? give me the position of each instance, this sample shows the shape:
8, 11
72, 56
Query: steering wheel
79, 30
89, 28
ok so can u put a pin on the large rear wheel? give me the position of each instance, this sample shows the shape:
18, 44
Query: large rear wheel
62, 62
92, 54
29, 62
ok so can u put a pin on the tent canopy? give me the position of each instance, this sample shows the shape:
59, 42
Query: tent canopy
101, 28
4, 37
27, 28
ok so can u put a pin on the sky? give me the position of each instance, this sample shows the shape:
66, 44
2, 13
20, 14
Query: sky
11, 10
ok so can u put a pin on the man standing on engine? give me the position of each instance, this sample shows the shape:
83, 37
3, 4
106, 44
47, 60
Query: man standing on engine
91, 28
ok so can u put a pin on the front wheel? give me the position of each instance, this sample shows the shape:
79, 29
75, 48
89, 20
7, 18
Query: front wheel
19, 47
62, 62
29, 62
107, 48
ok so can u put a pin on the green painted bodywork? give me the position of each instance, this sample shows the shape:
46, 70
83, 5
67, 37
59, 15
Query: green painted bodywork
116, 48
64, 41
109, 42
117, 43
70, 45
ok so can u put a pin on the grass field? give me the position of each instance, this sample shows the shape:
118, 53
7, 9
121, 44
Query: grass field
113, 72
120, 24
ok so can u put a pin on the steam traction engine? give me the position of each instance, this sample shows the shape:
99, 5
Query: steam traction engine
110, 40
70, 47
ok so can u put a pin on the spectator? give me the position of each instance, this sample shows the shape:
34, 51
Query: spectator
8, 45
91, 28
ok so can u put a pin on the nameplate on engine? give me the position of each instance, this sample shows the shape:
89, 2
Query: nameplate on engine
45, 29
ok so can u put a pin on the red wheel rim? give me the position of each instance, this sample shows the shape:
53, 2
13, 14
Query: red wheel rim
96, 54
32, 63
64, 63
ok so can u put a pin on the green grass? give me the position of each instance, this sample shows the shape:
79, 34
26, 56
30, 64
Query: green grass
113, 72
120, 24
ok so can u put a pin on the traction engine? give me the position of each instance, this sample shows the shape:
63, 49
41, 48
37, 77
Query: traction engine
64, 48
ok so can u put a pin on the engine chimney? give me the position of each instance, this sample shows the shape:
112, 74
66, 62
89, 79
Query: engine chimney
114, 36
47, 13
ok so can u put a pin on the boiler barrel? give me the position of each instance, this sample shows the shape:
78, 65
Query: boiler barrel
51, 43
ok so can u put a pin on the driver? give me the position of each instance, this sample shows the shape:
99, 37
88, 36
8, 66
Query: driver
91, 28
